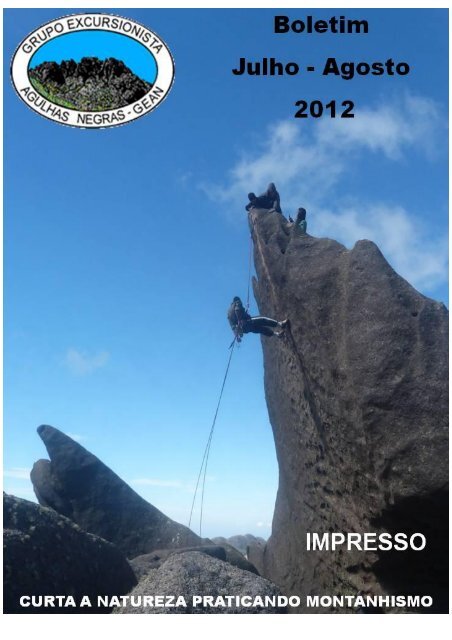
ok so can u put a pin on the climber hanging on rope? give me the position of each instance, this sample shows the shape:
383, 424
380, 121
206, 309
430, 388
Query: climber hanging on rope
241, 322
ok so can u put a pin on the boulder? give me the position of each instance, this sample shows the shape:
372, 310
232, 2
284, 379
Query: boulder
81, 487
45, 554
238, 559
142, 565
358, 401
192, 574
145, 563
255, 554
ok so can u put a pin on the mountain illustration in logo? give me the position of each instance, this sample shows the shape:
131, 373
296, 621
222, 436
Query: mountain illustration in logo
89, 85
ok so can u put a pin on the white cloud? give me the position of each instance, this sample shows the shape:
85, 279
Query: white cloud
175, 484
75, 436
400, 236
20, 473
411, 122
81, 363
154, 482
24, 492
185, 179
307, 167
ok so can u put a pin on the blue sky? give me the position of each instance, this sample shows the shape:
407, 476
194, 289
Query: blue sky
98, 44
124, 247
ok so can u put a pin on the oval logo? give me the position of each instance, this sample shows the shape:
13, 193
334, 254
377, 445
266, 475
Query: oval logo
92, 70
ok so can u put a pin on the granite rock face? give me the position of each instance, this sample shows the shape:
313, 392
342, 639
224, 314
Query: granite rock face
44, 553
357, 397
198, 574
79, 486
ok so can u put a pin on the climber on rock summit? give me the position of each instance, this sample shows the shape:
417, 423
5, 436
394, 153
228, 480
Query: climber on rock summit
241, 322
267, 200
300, 220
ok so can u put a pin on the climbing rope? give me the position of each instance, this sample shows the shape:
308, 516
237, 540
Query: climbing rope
205, 458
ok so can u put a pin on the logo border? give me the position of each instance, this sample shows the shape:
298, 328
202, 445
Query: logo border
74, 126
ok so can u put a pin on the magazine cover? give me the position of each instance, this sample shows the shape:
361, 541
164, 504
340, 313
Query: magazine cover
225, 311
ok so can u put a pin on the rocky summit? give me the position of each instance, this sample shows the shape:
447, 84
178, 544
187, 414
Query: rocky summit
81, 487
88, 85
358, 401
